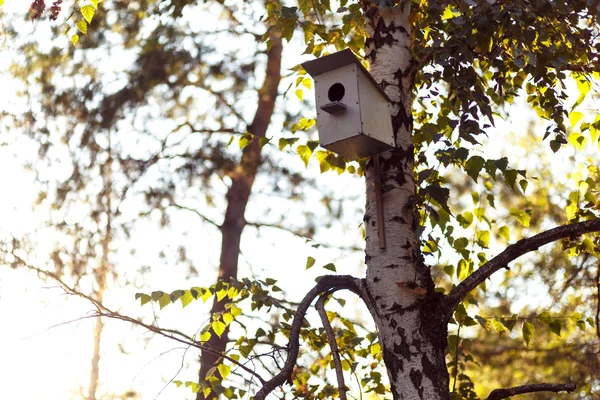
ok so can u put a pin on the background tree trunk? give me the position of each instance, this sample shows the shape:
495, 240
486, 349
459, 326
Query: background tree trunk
238, 195
412, 334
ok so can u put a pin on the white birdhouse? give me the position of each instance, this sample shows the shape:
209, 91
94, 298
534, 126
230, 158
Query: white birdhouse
353, 114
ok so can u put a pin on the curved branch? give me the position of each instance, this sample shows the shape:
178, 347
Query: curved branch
512, 252
335, 353
327, 283
498, 394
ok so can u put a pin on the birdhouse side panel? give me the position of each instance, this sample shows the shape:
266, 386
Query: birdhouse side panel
339, 85
375, 111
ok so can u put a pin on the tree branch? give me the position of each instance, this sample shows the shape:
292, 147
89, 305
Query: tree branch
299, 233
512, 252
328, 283
198, 213
103, 311
498, 394
335, 353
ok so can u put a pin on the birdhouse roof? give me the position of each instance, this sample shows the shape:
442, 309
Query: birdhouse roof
339, 60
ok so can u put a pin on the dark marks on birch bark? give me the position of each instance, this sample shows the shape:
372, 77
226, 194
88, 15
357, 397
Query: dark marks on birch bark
417, 377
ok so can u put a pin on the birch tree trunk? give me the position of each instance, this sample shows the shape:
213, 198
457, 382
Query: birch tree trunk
412, 331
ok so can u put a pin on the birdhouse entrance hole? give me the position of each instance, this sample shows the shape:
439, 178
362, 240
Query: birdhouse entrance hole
336, 92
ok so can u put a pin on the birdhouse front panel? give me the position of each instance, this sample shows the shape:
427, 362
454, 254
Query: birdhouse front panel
338, 106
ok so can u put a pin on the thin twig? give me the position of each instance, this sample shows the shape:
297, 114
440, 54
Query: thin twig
335, 353
198, 213
499, 394
104, 311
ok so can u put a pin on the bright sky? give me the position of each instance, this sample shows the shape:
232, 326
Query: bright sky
41, 360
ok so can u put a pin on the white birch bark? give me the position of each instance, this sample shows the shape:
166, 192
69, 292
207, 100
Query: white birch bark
412, 333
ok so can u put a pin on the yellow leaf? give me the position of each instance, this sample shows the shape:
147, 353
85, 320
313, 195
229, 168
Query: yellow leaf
232, 293
204, 337
75, 39
218, 327
574, 118
206, 295
307, 82
186, 298
228, 318
305, 153
95, 3
577, 140
82, 26
504, 232
221, 294
88, 12
571, 211
224, 370
235, 311
375, 349
1, 3
450, 12
300, 94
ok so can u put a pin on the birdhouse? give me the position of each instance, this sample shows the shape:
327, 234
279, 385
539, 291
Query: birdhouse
353, 114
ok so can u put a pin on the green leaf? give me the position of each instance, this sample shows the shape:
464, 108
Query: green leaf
310, 261
509, 323
504, 232
461, 243
284, 142
577, 318
545, 318
463, 270
88, 12
474, 166
483, 322
245, 140
224, 370
270, 281
465, 219
82, 26
528, 332
449, 269
330, 267
483, 239
498, 326
144, 298
164, 301
555, 326
522, 217
218, 327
